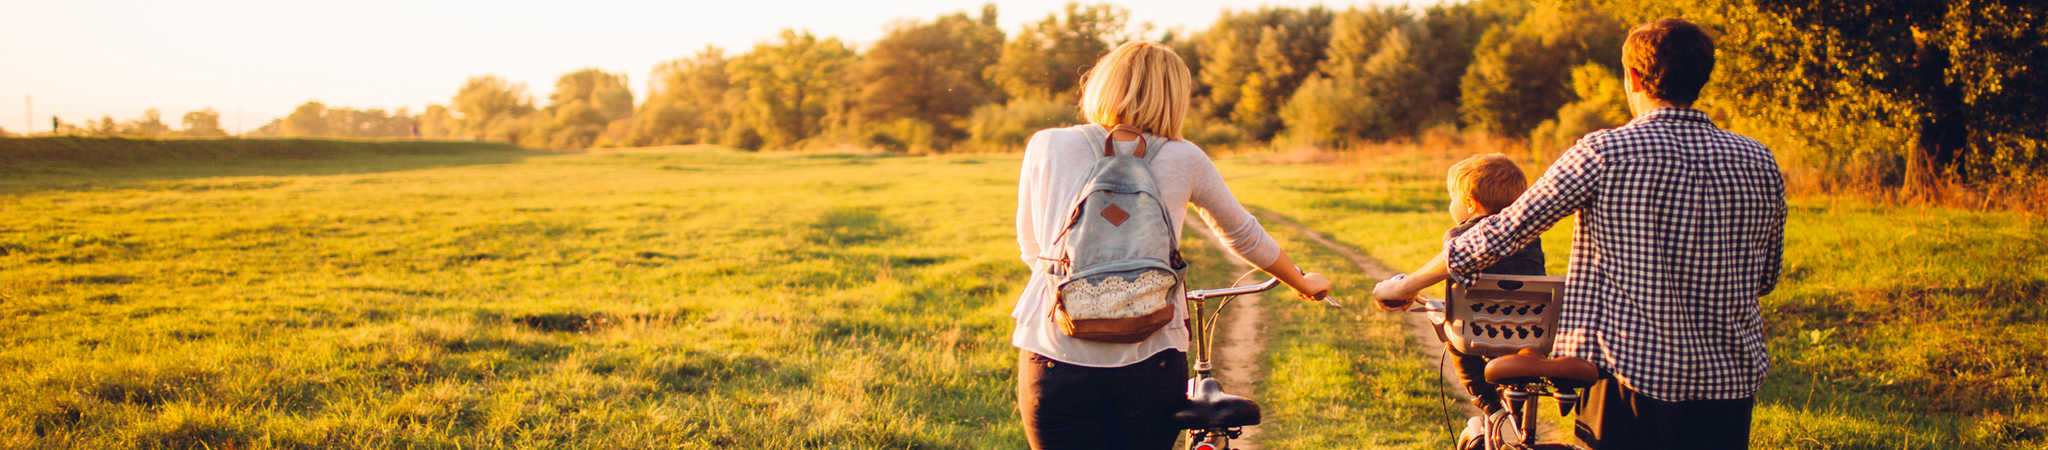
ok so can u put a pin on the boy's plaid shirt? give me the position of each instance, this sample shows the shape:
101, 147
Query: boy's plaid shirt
1681, 228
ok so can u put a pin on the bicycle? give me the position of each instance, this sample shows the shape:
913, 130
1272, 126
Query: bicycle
1214, 417
1515, 318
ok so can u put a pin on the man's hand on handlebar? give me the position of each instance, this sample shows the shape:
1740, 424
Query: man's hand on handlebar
1393, 294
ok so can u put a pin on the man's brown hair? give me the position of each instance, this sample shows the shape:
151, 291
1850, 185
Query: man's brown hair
1674, 57
1491, 180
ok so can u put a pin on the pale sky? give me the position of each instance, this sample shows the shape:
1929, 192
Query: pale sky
255, 60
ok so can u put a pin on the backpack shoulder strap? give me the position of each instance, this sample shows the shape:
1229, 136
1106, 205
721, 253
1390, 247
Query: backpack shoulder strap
1109, 140
1096, 135
1155, 144
1098, 140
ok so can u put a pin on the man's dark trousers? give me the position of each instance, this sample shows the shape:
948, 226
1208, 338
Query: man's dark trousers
1616, 417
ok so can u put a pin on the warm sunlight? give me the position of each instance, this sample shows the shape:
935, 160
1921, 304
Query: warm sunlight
253, 61
1199, 225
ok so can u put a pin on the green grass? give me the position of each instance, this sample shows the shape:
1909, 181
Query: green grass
1345, 378
489, 296
697, 297
1894, 326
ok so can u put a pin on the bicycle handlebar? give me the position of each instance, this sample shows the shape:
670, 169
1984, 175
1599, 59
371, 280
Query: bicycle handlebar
1264, 286
1235, 290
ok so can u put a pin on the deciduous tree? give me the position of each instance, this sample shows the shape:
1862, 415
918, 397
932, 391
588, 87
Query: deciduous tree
1254, 60
689, 101
930, 73
1519, 72
307, 120
583, 105
1913, 92
488, 106
203, 123
789, 86
1046, 59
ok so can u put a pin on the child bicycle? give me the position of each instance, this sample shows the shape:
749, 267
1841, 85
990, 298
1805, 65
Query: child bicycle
1213, 417
1513, 317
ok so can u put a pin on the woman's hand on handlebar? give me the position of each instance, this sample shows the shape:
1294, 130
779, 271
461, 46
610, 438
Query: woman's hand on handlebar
1314, 287
1308, 286
1393, 294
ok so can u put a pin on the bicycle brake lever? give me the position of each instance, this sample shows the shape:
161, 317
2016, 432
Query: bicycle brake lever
1426, 304
1433, 307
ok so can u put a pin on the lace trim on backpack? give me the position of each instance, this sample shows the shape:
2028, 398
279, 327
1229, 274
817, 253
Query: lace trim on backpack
1117, 298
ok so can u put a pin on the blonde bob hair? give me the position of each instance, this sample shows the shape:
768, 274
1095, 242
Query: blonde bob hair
1143, 84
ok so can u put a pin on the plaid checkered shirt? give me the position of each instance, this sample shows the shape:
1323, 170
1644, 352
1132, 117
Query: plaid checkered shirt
1681, 228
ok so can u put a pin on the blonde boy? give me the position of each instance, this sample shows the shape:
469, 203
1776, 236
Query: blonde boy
1481, 186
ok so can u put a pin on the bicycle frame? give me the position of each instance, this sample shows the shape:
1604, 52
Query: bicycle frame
1197, 310
1201, 334
1514, 427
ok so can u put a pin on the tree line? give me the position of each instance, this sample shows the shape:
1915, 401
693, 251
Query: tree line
1892, 93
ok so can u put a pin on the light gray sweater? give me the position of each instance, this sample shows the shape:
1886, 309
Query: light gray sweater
1056, 164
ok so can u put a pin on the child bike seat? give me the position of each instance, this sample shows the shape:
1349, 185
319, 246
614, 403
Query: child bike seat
1210, 407
1527, 367
1497, 315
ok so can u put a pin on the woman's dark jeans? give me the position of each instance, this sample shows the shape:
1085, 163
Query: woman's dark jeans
1067, 406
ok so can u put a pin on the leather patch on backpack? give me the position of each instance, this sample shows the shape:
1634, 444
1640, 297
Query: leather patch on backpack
1115, 215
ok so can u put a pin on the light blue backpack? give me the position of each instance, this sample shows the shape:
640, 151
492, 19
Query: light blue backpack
1119, 271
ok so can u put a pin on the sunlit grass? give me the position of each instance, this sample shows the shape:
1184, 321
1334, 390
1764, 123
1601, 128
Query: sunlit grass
1345, 378
692, 297
703, 297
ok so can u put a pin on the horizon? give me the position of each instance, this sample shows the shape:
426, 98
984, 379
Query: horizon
253, 62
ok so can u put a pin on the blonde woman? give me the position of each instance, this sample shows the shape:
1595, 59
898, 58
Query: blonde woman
1076, 393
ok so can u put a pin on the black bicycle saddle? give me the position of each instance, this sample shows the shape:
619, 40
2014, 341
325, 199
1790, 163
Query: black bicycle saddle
1210, 407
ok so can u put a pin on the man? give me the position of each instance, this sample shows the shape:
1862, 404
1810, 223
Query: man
1680, 230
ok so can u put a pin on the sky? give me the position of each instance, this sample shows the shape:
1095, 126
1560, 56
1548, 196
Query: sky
253, 61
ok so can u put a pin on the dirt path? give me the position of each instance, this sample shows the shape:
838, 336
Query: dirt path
1240, 345
1419, 326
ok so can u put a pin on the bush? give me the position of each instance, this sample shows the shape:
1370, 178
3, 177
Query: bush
1209, 132
1009, 126
901, 135
1600, 105
742, 137
1573, 121
1327, 113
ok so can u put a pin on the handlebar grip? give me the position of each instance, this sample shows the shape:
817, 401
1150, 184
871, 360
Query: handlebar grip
1396, 304
1321, 297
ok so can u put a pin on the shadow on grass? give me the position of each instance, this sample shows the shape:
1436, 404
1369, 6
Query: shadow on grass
852, 226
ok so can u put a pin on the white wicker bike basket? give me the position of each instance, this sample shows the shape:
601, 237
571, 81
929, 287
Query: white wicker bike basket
1502, 314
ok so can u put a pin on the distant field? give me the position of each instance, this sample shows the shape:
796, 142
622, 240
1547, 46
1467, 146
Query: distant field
703, 297
30, 153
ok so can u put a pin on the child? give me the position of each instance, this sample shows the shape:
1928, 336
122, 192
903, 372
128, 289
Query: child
1480, 186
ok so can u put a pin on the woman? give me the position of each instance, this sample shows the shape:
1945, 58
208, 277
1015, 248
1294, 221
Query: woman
1076, 393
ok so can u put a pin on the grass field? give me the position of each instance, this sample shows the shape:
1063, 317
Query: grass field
482, 297
648, 299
